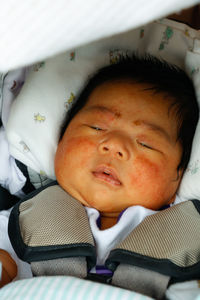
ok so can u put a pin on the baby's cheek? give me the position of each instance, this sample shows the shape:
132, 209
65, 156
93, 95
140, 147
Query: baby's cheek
147, 176
77, 143
74, 152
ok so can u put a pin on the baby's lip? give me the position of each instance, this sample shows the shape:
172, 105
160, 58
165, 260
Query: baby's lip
107, 174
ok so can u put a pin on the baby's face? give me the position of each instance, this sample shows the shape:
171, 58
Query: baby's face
121, 150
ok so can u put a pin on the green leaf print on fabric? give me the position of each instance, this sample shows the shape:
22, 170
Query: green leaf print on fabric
193, 168
142, 33
167, 35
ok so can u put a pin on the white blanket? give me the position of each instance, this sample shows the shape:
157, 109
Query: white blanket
32, 30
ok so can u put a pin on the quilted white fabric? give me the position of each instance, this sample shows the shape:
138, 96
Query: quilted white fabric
32, 30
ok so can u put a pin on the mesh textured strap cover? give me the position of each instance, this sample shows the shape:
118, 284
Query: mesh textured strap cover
167, 242
49, 225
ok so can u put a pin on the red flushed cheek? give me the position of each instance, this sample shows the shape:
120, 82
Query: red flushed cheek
74, 151
147, 177
77, 144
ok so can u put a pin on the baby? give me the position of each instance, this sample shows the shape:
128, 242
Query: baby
127, 140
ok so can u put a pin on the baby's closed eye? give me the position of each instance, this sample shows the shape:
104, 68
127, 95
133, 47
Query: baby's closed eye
145, 145
95, 127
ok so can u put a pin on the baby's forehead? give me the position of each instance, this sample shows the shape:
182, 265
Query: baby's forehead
129, 85
128, 95
126, 98
138, 85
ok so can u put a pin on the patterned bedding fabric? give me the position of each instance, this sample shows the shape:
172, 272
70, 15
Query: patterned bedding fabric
64, 288
71, 288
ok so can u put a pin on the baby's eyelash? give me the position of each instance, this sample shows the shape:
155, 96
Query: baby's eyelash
144, 145
96, 128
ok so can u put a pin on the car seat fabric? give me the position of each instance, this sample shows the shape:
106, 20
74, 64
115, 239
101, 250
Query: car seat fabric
165, 243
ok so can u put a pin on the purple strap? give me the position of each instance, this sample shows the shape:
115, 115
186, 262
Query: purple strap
102, 270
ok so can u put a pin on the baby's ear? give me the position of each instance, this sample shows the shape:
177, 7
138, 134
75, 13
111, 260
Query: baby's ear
8, 268
180, 173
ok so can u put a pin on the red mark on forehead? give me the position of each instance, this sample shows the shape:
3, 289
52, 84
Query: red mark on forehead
115, 112
118, 114
137, 122
110, 112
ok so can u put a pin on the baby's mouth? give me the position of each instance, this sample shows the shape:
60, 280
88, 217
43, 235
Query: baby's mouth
108, 175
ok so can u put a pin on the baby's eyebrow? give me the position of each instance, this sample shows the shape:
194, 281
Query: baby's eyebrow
103, 109
154, 127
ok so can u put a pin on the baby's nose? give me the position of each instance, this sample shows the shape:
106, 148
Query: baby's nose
116, 146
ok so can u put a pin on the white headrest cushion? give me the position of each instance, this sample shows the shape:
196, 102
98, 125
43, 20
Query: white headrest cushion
38, 112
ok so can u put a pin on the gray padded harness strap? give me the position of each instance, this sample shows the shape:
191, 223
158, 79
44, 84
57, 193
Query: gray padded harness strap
165, 245
51, 225
72, 266
55, 236
46, 218
172, 234
141, 281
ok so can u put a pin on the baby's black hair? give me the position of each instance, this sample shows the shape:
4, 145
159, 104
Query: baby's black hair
163, 78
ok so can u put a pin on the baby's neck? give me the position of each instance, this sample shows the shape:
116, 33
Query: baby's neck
108, 221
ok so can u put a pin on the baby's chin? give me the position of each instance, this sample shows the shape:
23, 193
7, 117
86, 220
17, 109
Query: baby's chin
108, 211
109, 214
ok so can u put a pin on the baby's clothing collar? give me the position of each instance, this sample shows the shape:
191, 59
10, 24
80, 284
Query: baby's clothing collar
106, 239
